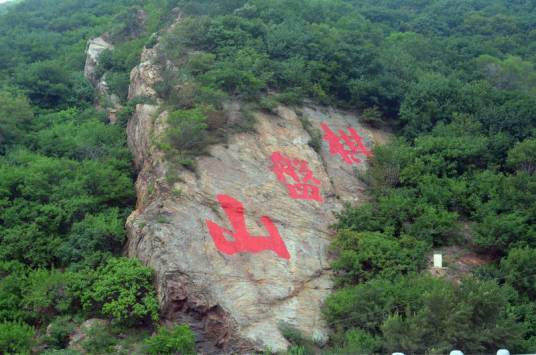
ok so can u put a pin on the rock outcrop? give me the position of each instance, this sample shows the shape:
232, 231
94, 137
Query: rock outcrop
95, 47
105, 99
236, 282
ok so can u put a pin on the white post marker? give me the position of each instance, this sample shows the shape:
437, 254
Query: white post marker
438, 261
503, 352
456, 352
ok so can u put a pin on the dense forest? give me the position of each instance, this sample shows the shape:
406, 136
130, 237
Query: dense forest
454, 80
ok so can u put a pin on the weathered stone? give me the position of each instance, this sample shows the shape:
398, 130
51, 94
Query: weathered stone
95, 48
110, 102
144, 76
237, 302
246, 295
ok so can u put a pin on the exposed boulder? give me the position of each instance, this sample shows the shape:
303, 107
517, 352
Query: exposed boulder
94, 49
105, 99
144, 77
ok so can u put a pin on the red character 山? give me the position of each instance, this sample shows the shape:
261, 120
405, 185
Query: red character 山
243, 241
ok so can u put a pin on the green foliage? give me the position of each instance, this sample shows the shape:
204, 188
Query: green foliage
357, 341
430, 100
402, 212
457, 81
364, 256
511, 73
47, 294
66, 175
100, 340
15, 117
424, 314
254, 49
49, 84
118, 83
44, 196
187, 130
300, 345
16, 338
180, 339
122, 289
186, 135
12, 280
474, 316
523, 156
373, 116
94, 239
115, 65
59, 332
518, 269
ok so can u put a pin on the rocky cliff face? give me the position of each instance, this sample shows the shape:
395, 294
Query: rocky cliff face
240, 246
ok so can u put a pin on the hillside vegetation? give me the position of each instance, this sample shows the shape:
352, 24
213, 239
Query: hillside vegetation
66, 180
455, 80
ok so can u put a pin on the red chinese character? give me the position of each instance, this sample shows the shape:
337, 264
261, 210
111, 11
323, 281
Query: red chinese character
243, 241
305, 186
353, 141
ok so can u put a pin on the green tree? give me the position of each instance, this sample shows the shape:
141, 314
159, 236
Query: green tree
123, 291
16, 115
518, 269
523, 156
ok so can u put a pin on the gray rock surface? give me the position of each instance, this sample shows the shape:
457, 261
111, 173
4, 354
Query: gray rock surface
238, 301
95, 47
105, 99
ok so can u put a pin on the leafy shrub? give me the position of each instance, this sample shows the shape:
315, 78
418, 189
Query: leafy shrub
523, 156
268, 103
186, 136
47, 294
180, 339
99, 340
373, 116
357, 341
123, 290
400, 212
187, 130
299, 343
118, 82
95, 238
130, 107
422, 314
16, 338
12, 281
15, 117
58, 332
363, 256
498, 232
518, 269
